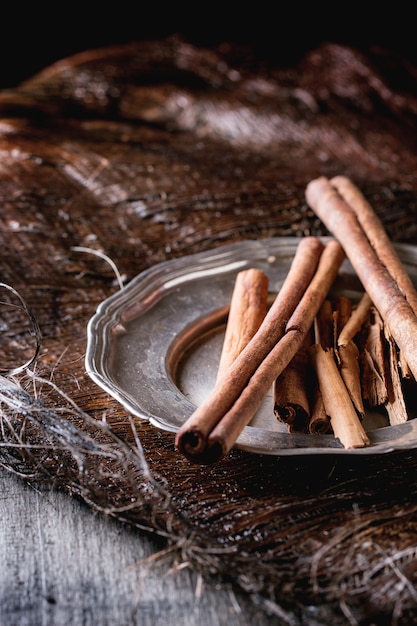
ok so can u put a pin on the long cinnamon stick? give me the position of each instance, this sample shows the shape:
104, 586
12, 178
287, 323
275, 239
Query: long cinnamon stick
213, 428
341, 220
248, 308
343, 417
379, 240
377, 236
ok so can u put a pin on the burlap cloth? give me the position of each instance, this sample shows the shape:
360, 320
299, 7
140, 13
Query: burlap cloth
153, 151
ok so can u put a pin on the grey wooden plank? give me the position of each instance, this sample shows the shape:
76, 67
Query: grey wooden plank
62, 564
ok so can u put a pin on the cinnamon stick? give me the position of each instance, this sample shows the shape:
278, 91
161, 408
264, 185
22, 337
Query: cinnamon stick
324, 329
381, 379
372, 349
379, 240
341, 220
324, 335
292, 391
356, 320
395, 404
319, 423
212, 430
248, 307
377, 236
349, 367
348, 352
343, 417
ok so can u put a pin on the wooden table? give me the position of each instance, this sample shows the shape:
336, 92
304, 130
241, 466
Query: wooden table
61, 564
149, 152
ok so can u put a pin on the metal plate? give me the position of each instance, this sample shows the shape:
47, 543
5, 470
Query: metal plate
155, 344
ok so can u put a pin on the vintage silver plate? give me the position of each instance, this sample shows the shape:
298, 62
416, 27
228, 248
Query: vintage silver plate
155, 344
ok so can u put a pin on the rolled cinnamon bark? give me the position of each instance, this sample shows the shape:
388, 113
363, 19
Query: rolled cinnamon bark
374, 379
248, 308
381, 379
292, 391
324, 330
324, 335
356, 320
395, 404
380, 242
341, 220
377, 236
319, 422
347, 352
338, 405
342, 312
213, 428
349, 367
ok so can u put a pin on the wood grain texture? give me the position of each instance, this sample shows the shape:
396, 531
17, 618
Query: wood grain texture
62, 565
148, 152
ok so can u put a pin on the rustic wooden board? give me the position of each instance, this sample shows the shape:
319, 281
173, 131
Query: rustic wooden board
62, 564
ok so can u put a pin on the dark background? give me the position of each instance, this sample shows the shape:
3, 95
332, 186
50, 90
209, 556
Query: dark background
33, 37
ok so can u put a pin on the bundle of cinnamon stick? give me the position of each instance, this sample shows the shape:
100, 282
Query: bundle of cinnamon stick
305, 337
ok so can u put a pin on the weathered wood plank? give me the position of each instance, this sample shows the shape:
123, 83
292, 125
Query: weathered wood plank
62, 564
